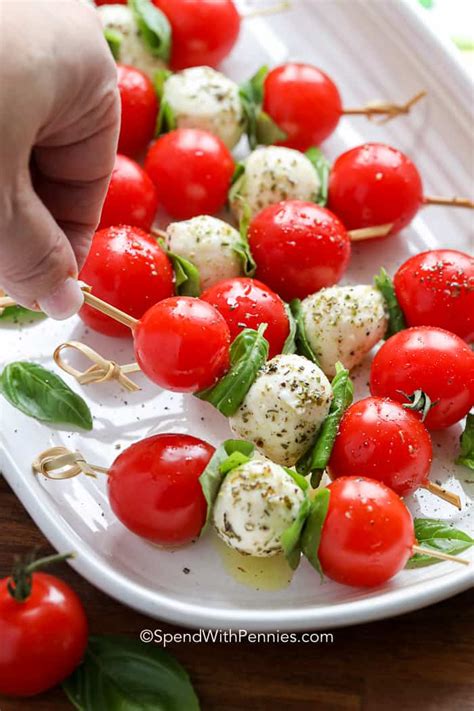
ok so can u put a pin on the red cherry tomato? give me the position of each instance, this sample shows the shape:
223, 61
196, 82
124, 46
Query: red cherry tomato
368, 534
382, 440
111, 2
43, 638
182, 344
203, 31
428, 359
375, 184
192, 171
246, 303
131, 198
139, 110
128, 269
303, 102
437, 289
299, 248
154, 488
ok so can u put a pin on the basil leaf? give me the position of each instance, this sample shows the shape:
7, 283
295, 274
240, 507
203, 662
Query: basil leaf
311, 536
289, 345
238, 172
466, 455
322, 168
114, 39
248, 353
187, 281
260, 127
290, 539
242, 248
396, 319
153, 26
159, 80
41, 394
438, 535
217, 468
301, 339
298, 478
120, 674
166, 120
18, 314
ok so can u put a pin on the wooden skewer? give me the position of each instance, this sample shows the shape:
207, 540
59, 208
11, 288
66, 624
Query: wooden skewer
440, 555
61, 463
110, 310
270, 10
388, 111
5, 302
450, 202
444, 494
370, 232
159, 234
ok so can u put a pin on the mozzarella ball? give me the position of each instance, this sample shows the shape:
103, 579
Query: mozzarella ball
284, 408
273, 174
133, 50
344, 323
255, 505
209, 244
202, 98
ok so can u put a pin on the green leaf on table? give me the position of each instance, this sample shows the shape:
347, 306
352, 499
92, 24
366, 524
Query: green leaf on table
466, 455
18, 314
259, 126
311, 535
42, 394
122, 674
290, 539
302, 343
439, 535
289, 345
322, 167
153, 26
230, 454
396, 319
114, 39
248, 353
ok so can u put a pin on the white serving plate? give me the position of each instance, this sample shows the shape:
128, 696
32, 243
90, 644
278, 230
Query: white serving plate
373, 49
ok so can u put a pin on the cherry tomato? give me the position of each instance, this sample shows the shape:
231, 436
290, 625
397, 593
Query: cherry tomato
375, 184
139, 110
428, 359
182, 344
154, 488
368, 533
131, 198
299, 248
43, 636
246, 303
192, 171
128, 269
303, 102
436, 288
381, 439
111, 2
203, 31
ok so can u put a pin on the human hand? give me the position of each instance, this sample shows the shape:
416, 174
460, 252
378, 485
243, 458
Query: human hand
59, 122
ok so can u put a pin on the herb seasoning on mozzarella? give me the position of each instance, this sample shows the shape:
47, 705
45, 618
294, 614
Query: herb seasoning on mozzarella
284, 408
343, 323
256, 503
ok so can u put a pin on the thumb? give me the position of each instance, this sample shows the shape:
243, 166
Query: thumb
38, 267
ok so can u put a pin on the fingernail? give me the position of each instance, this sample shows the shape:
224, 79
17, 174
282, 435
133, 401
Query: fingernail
64, 302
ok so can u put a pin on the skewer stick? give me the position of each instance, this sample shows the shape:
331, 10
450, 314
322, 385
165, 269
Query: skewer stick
370, 232
384, 109
61, 463
110, 310
159, 234
101, 370
450, 202
270, 10
6, 301
440, 555
444, 494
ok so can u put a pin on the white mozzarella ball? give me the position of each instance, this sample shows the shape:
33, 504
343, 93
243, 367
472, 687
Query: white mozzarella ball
284, 408
202, 98
273, 174
344, 323
133, 50
209, 244
256, 503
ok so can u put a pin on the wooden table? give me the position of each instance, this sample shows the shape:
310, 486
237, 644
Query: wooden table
421, 661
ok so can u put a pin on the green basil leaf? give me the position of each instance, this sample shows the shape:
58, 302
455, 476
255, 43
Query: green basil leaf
242, 247
322, 168
343, 393
239, 170
153, 26
237, 189
166, 120
159, 79
41, 394
267, 132
248, 353
218, 466
114, 39
298, 478
290, 539
302, 344
289, 345
18, 314
121, 674
187, 280
466, 455
311, 535
251, 97
396, 319
439, 535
